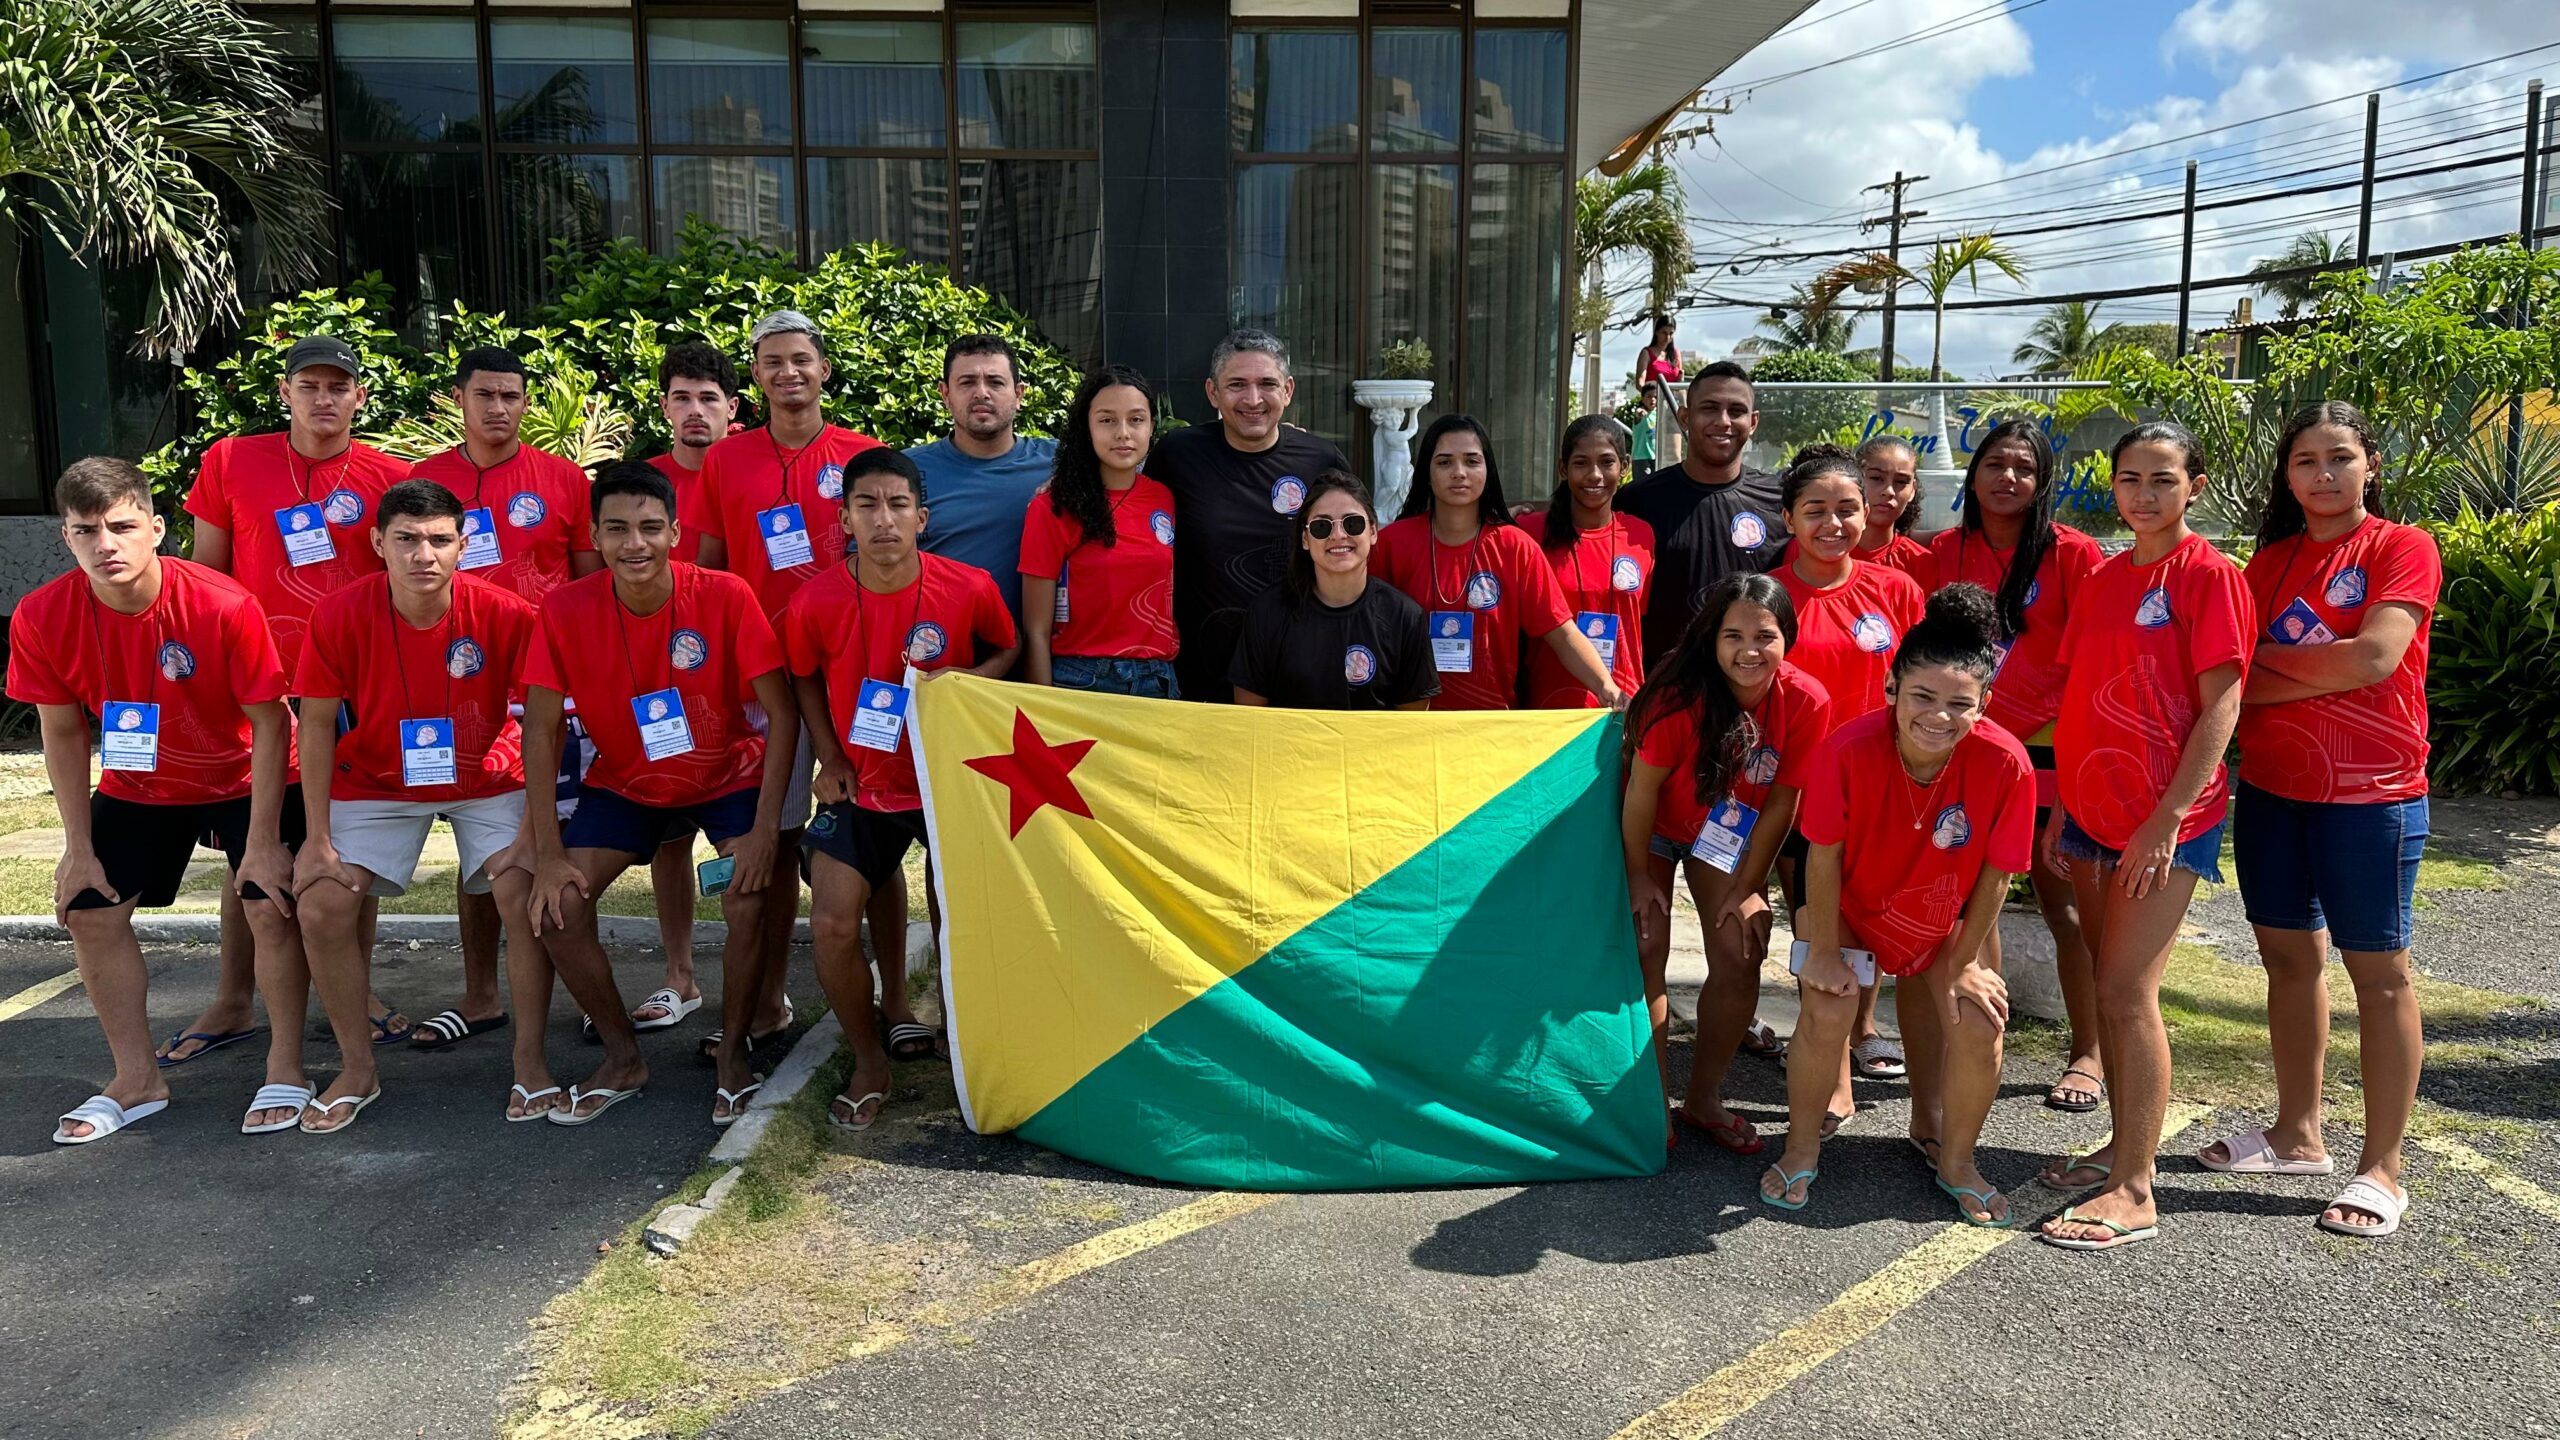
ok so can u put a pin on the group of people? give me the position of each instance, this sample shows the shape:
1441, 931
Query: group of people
581, 675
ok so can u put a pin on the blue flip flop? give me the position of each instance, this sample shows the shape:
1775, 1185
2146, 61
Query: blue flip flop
211, 1043
1787, 1182
1983, 1198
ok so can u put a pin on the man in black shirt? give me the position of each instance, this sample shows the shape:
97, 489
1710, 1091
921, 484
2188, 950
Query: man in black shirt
1712, 515
1237, 486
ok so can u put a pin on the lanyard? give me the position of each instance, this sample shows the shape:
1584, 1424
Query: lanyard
862, 607
480, 473
1466, 568
1083, 539
97, 632
1608, 532
783, 496
400, 664
2284, 577
311, 468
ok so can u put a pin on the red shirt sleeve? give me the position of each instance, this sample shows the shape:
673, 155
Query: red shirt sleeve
317, 673
1824, 815
2225, 618
33, 676
759, 653
1808, 722
1542, 604
2405, 570
209, 499
1043, 540
257, 671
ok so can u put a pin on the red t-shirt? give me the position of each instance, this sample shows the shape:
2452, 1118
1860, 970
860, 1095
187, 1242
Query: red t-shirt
537, 506
1118, 598
1499, 577
2140, 635
2358, 747
2026, 694
844, 634
1846, 635
693, 506
709, 642
1913, 852
1608, 571
1793, 718
246, 484
200, 652
463, 668
748, 475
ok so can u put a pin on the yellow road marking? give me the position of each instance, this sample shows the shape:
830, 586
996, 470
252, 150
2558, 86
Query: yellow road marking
2496, 1176
36, 994
1863, 1309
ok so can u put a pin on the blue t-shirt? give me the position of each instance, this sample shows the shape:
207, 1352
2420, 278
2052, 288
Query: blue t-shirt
976, 506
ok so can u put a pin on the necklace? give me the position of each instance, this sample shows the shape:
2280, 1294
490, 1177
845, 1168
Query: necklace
1928, 789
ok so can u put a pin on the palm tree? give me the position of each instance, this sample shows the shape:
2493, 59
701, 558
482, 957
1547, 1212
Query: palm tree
126, 128
2064, 337
2310, 248
1636, 216
1805, 322
1958, 258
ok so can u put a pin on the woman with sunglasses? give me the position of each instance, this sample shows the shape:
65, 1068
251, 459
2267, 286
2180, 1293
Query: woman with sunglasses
1479, 577
1603, 561
1332, 636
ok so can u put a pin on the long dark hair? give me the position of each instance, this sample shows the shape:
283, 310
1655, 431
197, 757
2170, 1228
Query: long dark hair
1302, 566
1561, 531
1689, 677
2284, 518
1491, 508
2035, 538
1075, 488
1877, 444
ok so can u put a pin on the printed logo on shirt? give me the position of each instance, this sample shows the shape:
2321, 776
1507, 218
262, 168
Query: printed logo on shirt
2034, 589
831, 481
2346, 588
1953, 828
926, 642
2154, 610
1748, 531
1483, 591
1626, 574
1760, 767
526, 510
1359, 665
128, 717
464, 658
825, 823
1287, 494
1162, 524
686, 650
1873, 632
177, 662
344, 507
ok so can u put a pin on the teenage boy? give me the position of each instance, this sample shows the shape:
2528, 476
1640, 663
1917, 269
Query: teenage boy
173, 668
851, 636
660, 655
424, 658
286, 514
775, 502
525, 528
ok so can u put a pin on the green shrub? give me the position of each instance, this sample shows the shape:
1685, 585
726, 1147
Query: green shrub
2493, 681
1792, 418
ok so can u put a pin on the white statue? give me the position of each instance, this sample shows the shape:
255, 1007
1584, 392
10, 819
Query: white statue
1392, 428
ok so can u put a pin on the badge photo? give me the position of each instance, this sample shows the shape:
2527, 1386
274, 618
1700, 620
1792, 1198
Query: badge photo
687, 650
1359, 665
129, 717
657, 708
526, 510
1953, 828
2346, 588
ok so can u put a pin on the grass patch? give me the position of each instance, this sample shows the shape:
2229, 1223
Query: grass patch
26, 887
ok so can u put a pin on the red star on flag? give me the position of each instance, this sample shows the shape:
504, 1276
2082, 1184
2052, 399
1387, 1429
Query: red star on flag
1036, 772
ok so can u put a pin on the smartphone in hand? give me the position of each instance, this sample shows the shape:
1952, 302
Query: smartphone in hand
715, 875
1862, 963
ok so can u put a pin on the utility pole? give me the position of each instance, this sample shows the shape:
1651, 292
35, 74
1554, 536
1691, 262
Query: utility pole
2529, 229
2187, 261
1893, 252
2364, 204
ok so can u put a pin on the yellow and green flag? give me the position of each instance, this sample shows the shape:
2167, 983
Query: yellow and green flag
1288, 950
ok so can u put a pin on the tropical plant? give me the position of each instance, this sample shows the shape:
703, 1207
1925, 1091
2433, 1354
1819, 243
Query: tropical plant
1960, 257
568, 419
1805, 322
2479, 474
1407, 359
1638, 217
2311, 248
1789, 418
2062, 339
2493, 662
128, 131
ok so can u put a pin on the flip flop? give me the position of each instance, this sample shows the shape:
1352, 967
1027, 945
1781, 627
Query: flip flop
2105, 1173
275, 1097
1760, 1040
2366, 1194
2119, 1236
1831, 1123
385, 1033
1983, 1198
1736, 1135
1876, 1058
358, 1101
2255, 1154
908, 1040
709, 1049
104, 1117
1927, 1151
857, 1124
735, 1100
447, 1028
568, 1114
528, 1097
677, 1007
2057, 1098
211, 1041
1787, 1182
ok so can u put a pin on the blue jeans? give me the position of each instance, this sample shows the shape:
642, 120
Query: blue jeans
2351, 870
1147, 679
2201, 856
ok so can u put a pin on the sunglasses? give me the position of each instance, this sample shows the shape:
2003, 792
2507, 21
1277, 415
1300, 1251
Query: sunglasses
1354, 523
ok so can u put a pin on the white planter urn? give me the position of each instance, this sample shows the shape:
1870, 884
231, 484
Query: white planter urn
1395, 416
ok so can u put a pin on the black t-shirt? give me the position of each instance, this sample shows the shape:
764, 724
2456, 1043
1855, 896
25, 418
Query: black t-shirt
1372, 654
1234, 513
1701, 534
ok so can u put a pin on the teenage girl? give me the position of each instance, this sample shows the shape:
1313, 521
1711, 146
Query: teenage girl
1917, 816
2329, 816
2007, 543
1479, 577
1097, 551
1603, 562
1890, 472
2159, 641
1719, 741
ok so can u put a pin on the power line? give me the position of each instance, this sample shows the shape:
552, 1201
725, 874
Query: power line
1999, 9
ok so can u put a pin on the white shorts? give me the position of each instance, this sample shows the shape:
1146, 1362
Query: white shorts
804, 773
386, 836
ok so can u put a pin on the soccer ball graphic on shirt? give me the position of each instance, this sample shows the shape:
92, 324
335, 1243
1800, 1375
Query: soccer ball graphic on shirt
2346, 588
1761, 766
686, 650
926, 642
1483, 591
2153, 612
177, 662
128, 718
1626, 574
1162, 525
1748, 531
464, 659
1287, 494
344, 507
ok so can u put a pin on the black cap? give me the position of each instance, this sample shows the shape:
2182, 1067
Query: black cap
326, 350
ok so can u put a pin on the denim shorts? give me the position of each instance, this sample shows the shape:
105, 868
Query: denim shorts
2201, 856
1113, 675
1662, 849
2349, 869
607, 821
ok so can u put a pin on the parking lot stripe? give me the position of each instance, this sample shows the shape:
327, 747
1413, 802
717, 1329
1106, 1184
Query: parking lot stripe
36, 994
1732, 1392
2496, 1176
1032, 1277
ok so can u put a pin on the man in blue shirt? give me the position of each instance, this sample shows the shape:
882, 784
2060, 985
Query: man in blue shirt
982, 477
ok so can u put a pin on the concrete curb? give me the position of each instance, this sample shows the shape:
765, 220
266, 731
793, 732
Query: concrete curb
151, 929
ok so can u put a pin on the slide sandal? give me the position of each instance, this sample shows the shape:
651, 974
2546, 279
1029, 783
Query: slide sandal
2255, 1154
275, 1097
677, 1007
104, 1117
2366, 1194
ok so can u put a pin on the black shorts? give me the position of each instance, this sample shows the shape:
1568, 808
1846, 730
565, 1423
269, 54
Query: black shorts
145, 848
873, 843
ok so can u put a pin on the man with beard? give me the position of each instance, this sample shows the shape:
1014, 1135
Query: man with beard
983, 476
1712, 515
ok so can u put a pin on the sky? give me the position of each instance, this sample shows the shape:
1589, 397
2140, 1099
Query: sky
1989, 110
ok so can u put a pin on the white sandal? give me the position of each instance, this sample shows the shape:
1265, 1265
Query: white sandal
275, 1097
104, 1117
578, 1095
528, 1097
677, 1007
2255, 1154
330, 1110
855, 1122
2368, 1195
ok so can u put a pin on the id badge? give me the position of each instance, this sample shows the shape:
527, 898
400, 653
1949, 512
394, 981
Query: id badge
1058, 612
1727, 835
479, 540
1453, 641
1602, 631
786, 538
426, 752
664, 734
305, 529
879, 716
129, 739
2299, 624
